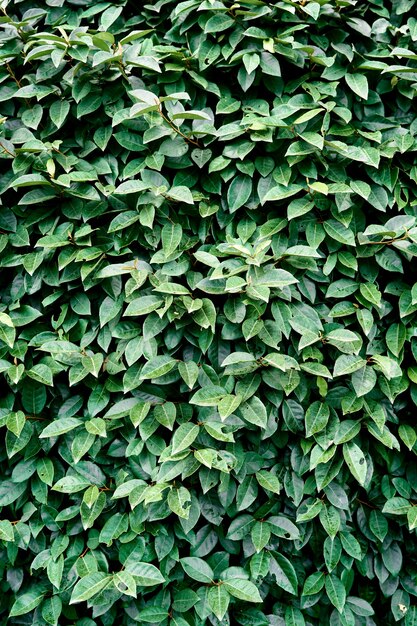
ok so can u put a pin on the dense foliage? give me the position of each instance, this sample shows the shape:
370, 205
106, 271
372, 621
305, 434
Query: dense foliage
208, 308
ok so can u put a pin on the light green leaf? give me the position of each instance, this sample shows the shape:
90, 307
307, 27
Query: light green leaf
316, 418
197, 569
254, 412
171, 236
358, 84
130, 186
58, 112
284, 572
208, 396
335, 591
239, 192
27, 602
355, 460
179, 501
184, 437
146, 574
157, 367
242, 589
124, 582
60, 427
89, 586
189, 372
143, 306
268, 481
181, 194
218, 600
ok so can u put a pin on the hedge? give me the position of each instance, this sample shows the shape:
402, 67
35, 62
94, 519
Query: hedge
208, 312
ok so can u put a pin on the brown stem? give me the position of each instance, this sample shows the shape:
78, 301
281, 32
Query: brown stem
8, 151
371, 506
177, 130
388, 242
16, 80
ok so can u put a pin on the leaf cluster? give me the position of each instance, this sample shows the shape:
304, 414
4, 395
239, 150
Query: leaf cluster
208, 312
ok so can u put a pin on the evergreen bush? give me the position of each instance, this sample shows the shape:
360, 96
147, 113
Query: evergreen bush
208, 303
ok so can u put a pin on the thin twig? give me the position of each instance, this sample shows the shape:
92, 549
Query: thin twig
177, 130
8, 151
388, 242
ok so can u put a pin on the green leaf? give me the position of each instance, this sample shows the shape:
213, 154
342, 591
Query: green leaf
239, 192
378, 525
364, 380
124, 582
130, 186
7, 330
316, 418
412, 518
268, 481
179, 501
145, 574
260, 535
345, 340
153, 614
408, 435
395, 338
314, 584
330, 520
27, 602
396, 506
358, 83
45, 470
197, 569
89, 586
335, 591
184, 437
42, 373
371, 293
339, 233
218, 23
60, 426
124, 220
293, 616
284, 573
16, 422
254, 412
143, 305
181, 194
355, 460
280, 361
157, 367
58, 112
348, 364
228, 405
206, 315
71, 484
387, 366
188, 372
208, 396
281, 192
218, 600
332, 551
6, 531
242, 589
276, 279
171, 237
51, 609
